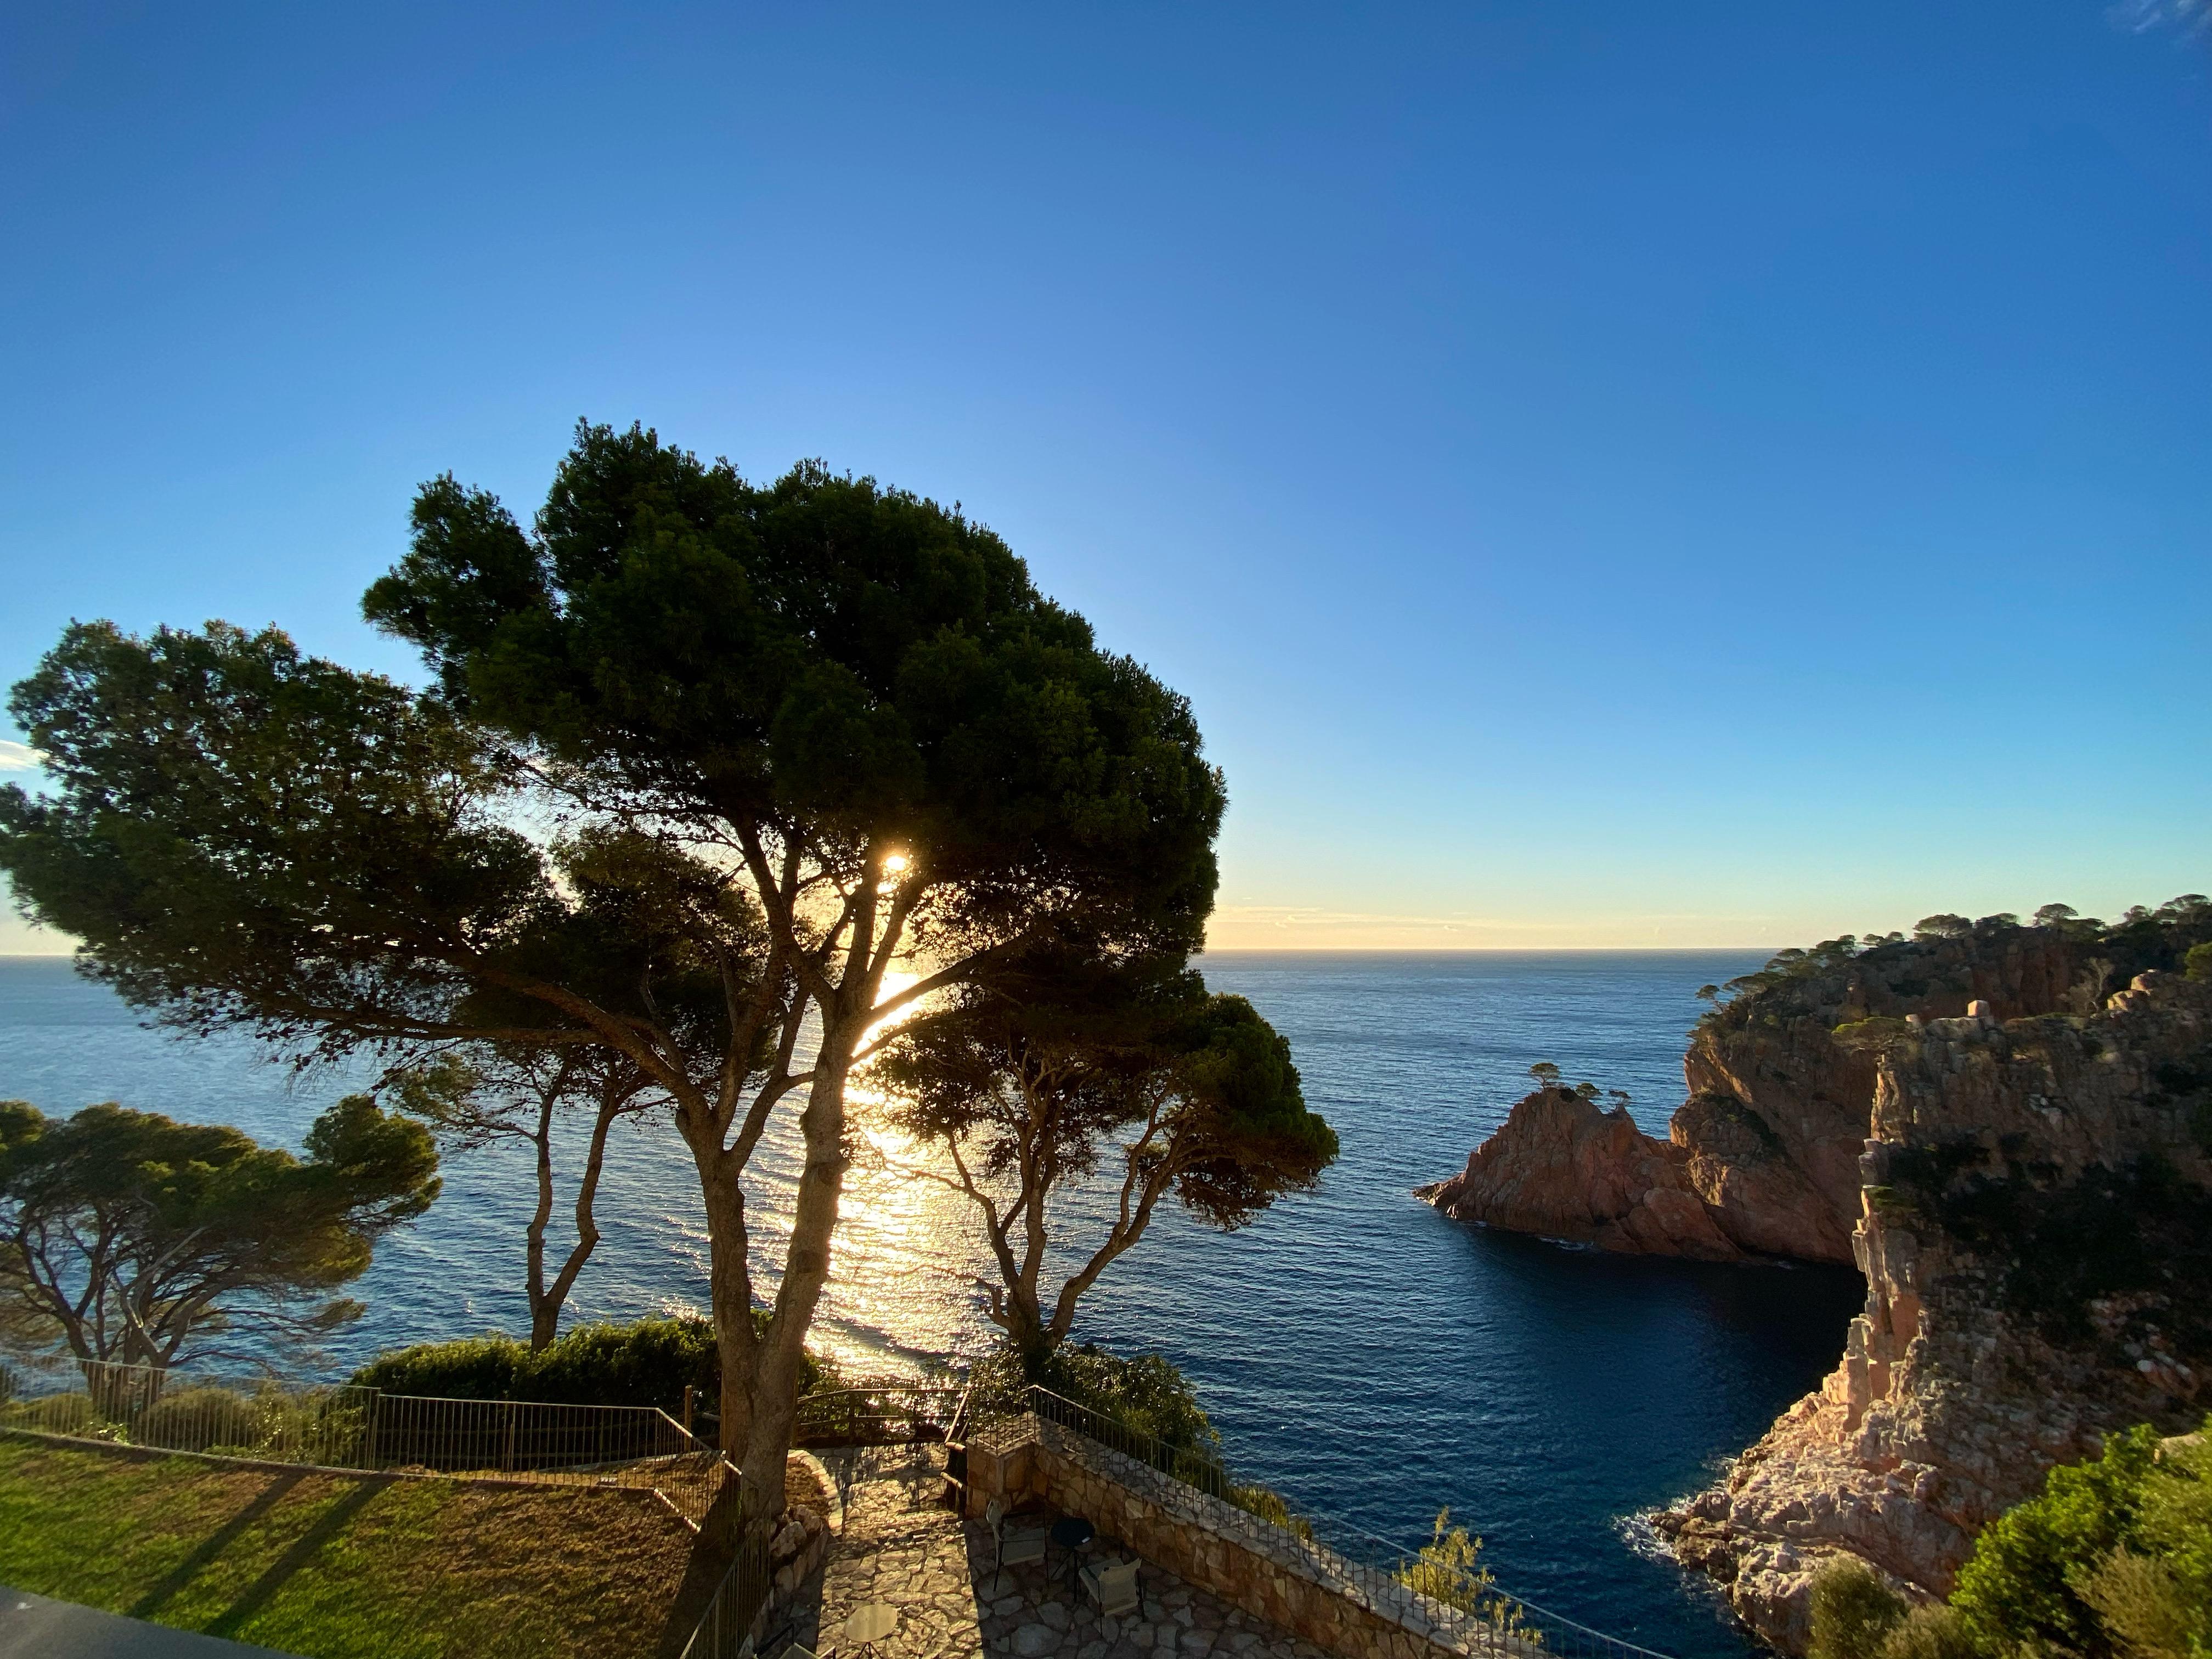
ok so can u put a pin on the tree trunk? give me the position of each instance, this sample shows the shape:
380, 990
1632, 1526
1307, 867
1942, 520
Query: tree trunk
544, 1318
806, 1268
546, 1302
1026, 1329
730, 1302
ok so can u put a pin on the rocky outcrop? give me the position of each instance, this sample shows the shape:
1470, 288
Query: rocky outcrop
1721, 1187
1768, 1142
2035, 1226
1562, 1168
2018, 1160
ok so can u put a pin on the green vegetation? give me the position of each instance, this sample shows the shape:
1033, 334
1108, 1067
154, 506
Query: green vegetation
334, 1568
1145, 1394
893, 743
1853, 1612
2058, 1245
2112, 1560
1030, 1081
646, 1363
127, 1237
134, 1406
2143, 939
1448, 1569
1945, 926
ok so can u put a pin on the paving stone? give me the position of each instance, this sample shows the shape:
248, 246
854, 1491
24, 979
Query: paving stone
937, 1571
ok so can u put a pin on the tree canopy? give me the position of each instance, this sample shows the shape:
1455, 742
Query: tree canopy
1035, 1080
820, 664
135, 1238
703, 761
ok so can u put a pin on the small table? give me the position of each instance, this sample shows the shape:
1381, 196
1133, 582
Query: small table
867, 1624
1071, 1532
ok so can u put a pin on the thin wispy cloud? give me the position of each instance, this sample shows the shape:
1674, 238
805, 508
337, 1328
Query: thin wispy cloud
19, 756
2185, 16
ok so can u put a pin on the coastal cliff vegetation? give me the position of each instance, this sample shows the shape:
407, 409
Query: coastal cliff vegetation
2112, 1560
2007, 1128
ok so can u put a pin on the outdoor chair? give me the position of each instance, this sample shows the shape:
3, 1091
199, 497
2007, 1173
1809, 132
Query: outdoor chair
1113, 1586
1017, 1546
778, 1645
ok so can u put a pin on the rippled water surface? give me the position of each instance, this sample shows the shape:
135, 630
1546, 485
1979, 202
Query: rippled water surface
1368, 1357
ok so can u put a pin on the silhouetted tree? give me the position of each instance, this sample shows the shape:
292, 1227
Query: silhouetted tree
1943, 926
131, 1238
793, 734
491, 1092
1032, 1085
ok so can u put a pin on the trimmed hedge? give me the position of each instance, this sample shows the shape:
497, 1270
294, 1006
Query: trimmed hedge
647, 1363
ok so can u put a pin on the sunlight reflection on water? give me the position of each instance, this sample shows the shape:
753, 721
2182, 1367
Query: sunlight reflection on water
1368, 1357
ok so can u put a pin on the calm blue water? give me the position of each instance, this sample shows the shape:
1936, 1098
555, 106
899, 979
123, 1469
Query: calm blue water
1368, 1357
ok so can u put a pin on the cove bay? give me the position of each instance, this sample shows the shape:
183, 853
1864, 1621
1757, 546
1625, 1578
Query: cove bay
1372, 1359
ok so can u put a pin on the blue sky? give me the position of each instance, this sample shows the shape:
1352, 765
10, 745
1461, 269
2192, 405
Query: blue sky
1605, 473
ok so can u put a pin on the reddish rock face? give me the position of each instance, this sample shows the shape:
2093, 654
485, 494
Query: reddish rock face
1763, 1158
1983, 1358
1883, 1109
1562, 1168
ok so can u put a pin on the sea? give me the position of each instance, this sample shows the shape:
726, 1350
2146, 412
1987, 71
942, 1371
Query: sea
1371, 1360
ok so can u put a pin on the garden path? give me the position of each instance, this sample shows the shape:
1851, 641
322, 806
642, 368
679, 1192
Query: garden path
900, 1545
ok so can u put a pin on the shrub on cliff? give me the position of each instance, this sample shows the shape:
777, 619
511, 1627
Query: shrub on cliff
1853, 1611
2113, 1557
1448, 1569
1145, 1394
1856, 1616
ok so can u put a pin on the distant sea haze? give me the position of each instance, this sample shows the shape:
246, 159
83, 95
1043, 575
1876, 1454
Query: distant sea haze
1371, 1359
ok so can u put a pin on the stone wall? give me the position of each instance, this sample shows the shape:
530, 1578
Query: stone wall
1305, 1588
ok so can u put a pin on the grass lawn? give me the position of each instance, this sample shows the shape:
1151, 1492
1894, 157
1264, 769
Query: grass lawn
333, 1567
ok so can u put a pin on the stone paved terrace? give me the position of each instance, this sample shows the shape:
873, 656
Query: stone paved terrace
900, 1546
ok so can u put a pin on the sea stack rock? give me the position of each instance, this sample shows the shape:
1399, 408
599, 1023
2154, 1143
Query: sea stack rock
1562, 1168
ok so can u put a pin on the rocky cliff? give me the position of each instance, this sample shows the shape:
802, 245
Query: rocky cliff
1562, 1168
2035, 1228
1719, 1189
1768, 1143
2019, 1159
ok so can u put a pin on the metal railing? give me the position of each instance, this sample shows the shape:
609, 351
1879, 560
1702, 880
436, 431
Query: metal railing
1422, 1588
727, 1624
893, 1413
366, 1429
520, 1436
172, 1411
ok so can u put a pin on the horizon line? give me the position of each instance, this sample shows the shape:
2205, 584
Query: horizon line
1299, 951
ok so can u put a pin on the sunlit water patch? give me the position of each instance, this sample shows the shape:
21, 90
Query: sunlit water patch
1371, 1359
